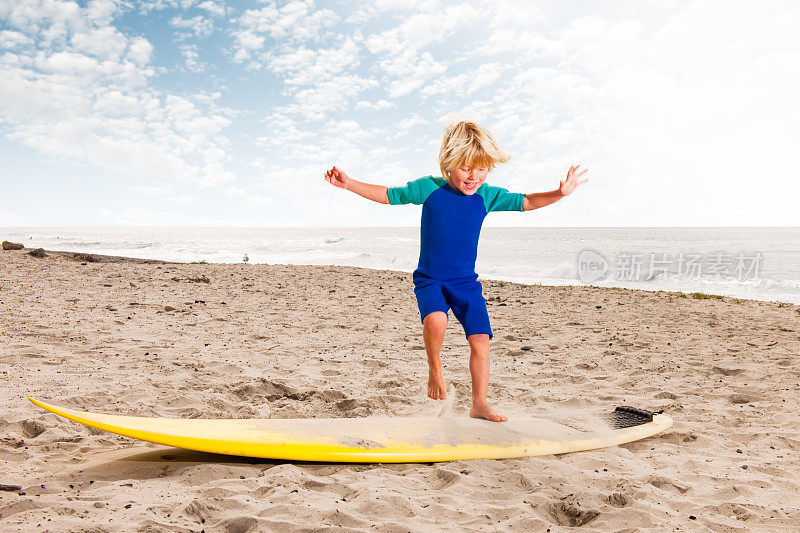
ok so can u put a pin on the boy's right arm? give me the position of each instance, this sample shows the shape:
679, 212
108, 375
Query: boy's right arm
376, 193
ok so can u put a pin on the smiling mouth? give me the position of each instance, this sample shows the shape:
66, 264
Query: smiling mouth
470, 185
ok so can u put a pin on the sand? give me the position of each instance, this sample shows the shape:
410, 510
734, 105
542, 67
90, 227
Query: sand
275, 341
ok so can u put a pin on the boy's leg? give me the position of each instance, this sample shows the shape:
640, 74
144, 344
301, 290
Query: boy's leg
433, 313
479, 371
469, 307
433, 328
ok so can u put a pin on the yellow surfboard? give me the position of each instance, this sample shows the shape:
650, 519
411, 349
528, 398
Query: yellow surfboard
383, 439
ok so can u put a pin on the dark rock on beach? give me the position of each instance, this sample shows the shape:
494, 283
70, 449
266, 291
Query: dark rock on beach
8, 245
88, 258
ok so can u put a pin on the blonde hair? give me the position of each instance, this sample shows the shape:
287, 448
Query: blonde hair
467, 143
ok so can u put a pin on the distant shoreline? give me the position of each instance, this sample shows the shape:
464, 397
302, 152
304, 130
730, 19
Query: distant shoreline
86, 257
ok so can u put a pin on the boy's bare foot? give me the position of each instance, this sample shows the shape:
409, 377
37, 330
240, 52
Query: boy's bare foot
436, 386
484, 411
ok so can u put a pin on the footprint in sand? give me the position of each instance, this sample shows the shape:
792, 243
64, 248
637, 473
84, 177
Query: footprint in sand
727, 371
566, 513
198, 510
445, 478
31, 428
667, 484
617, 499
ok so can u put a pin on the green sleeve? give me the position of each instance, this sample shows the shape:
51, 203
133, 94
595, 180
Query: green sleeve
414, 192
499, 199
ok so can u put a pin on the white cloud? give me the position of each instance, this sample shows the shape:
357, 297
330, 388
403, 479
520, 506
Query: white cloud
408, 123
70, 63
83, 69
421, 29
197, 26
147, 6
102, 12
85, 98
191, 56
55, 17
104, 42
332, 139
139, 50
304, 66
247, 42
317, 101
410, 71
115, 102
466, 83
320, 81
512, 14
284, 127
12, 39
296, 21
401, 50
378, 105
215, 8
360, 15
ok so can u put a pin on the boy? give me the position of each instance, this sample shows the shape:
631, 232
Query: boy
453, 209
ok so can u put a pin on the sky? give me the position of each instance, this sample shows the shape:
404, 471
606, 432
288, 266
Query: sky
211, 113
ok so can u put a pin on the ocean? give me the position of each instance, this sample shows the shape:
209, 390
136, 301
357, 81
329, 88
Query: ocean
754, 263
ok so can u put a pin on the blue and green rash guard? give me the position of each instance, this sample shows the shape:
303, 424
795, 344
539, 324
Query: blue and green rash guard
451, 224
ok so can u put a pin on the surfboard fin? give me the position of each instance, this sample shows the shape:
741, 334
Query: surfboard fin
625, 416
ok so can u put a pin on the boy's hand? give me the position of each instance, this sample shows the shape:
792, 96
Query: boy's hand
337, 177
376, 193
571, 183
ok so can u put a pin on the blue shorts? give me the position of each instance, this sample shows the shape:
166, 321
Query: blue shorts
464, 297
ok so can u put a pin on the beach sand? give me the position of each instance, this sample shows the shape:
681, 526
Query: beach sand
274, 341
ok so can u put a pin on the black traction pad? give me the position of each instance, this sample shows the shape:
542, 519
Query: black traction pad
626, 417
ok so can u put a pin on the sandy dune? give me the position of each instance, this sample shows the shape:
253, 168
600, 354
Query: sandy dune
261, 341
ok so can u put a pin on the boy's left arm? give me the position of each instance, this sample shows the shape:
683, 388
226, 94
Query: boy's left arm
535, 200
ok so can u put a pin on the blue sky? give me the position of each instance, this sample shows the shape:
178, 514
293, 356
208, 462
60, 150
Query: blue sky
209, 113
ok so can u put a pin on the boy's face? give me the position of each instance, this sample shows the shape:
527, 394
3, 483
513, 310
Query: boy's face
468, 179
